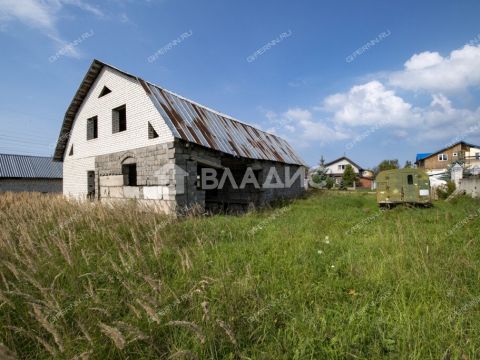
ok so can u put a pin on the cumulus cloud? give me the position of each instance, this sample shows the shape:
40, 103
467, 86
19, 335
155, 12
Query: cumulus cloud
369, 104
367, 108
42, 15
375, 105
302, 127
432, 72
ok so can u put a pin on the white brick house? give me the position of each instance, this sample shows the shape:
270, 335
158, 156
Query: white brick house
120, 132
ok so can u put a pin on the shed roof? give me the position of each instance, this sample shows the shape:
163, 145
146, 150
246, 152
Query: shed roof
191, 122
24, 166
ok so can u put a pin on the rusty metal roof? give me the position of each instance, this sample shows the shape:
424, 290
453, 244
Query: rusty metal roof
200, 125
23, 166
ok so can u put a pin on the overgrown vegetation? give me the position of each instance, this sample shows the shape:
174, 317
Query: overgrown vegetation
327, 277
443, 192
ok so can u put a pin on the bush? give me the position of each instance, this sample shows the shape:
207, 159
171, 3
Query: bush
443, 192
330, 182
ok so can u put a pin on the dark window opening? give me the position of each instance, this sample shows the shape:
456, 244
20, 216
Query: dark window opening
152, 134
410, 179
119, 119
104, 91
71, 151
92, 128
129, 172
91, 185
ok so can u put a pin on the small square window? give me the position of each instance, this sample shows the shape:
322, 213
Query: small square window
442, 157
455, 154
92, 128
119, 119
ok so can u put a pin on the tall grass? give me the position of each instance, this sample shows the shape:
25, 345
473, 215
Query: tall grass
327, 277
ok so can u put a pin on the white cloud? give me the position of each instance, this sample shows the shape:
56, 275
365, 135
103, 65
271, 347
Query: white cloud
373, 106
42, 15
368, 104
423, 60
370, 108
301, 128
431, 72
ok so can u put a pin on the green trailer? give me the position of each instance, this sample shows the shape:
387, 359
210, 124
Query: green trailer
403, 186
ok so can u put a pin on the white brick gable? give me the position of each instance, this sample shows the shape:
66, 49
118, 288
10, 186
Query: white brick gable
140, 111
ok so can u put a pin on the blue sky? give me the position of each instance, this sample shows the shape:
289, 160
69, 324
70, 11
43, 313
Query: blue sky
369, 79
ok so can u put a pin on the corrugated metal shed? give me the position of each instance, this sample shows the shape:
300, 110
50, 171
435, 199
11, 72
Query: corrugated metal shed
193, 123
23, 166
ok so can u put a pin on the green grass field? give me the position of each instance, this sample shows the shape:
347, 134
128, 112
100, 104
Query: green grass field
326, 277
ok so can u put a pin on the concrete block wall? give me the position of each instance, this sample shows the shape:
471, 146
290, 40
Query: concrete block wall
155, 176
31, 185
189, 157
471, 186
167, 177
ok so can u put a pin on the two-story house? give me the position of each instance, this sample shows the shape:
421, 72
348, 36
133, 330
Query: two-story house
124, 138
439, 160
337, 167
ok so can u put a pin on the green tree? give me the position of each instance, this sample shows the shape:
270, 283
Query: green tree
408, 164
349, 177
320, 176
387, 165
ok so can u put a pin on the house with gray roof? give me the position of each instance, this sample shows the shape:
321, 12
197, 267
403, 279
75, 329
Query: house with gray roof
124, 138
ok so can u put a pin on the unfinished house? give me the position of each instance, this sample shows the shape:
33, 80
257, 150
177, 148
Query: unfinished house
124, 138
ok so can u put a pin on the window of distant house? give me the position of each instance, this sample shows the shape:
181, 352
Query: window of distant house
119, 119
442, 157
341, 167
129, 172
71, 151
104, 91
477, 156
92, 128
410, 179
455, 154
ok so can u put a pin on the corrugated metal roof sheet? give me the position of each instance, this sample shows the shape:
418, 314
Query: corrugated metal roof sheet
194, 123
23, 166
198, 124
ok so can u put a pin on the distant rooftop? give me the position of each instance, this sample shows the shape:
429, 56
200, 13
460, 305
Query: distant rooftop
25, 166
422, 156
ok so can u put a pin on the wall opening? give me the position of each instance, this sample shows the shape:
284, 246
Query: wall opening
129, 172
104, 91
91, 185
92, 128
119, 119
152, 134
